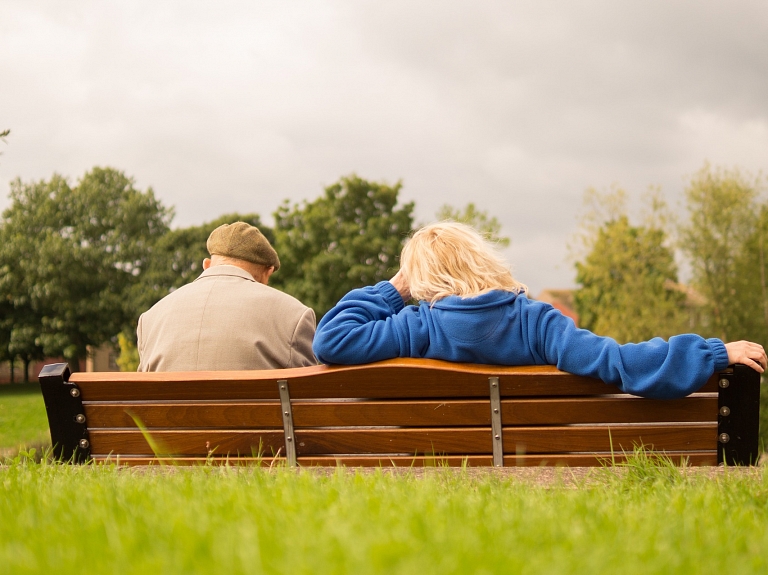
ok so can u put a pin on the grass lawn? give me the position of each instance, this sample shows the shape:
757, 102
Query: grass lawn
23, 421
653, 519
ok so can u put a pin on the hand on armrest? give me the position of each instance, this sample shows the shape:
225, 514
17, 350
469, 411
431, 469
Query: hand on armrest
748, 353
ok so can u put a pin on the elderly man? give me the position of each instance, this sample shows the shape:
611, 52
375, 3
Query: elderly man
228, 318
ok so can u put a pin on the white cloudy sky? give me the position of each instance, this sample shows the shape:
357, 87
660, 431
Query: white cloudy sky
233, 106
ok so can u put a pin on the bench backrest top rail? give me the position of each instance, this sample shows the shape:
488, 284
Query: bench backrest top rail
397, 378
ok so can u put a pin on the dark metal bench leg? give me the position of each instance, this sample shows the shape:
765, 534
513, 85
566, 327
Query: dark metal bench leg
66, 416
738, 417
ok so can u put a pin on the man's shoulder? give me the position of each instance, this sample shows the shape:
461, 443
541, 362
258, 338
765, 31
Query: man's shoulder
234, 290
240, 290
174, 298
275, 296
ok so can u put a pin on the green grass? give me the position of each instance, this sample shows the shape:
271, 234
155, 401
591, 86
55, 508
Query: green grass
23, 421
652, 519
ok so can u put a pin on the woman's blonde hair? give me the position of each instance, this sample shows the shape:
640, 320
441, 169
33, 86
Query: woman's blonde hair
450, 258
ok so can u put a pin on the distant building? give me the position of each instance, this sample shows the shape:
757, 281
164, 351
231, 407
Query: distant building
561, 300
102, 358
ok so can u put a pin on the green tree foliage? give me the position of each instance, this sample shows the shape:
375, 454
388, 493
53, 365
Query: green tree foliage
70, 256
348, 238
628, 276
722, 239
750, 282
128, 360
478, 219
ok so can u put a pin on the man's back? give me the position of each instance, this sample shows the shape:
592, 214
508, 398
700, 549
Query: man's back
225, 320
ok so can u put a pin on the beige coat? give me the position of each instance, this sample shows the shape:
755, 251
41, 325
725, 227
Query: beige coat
225, 320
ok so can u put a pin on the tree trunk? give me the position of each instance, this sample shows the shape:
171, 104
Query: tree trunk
13, 371
762, 280
74, 365
26, 370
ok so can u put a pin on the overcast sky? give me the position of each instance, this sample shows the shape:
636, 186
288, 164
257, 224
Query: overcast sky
519, 107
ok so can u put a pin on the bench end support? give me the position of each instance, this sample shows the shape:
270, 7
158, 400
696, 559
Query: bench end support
738, 416
66, 416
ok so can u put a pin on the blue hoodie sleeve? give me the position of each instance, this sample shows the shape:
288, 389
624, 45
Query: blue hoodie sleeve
364, 327
654, 368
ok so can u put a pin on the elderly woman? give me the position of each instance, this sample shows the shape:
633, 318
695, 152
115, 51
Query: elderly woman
472, 310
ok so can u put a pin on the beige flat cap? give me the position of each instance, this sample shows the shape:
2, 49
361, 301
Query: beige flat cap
243, 242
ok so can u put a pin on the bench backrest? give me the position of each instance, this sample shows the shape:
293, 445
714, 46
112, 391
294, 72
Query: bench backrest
397, 412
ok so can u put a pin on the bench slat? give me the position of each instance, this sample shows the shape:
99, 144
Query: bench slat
338, 388
567, 459
391, 379
473, 440
400, 378
525, 439
514, 412
625, 409
249, 415
243, 415
341, 386
133, 442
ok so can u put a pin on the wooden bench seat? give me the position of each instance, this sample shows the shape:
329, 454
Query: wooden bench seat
396, 412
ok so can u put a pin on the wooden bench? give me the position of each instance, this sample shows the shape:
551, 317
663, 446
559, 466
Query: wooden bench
399, 412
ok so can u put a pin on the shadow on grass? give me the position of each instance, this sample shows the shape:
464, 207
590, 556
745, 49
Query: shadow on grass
13, 389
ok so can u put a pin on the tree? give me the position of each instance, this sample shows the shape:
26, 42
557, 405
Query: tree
748, 307
628, 278
128, 360
478, 219
20, 321
6, 327
71, 254
723, 220
348, 238
3, 134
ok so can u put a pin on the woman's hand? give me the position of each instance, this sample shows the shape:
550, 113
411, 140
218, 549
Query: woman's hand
401, 285
748, 353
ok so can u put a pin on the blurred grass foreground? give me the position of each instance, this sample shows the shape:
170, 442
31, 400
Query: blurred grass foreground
642, 518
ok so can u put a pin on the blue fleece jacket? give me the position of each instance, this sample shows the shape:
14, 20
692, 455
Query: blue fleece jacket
504, 328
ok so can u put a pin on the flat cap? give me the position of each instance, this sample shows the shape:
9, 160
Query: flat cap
243, 242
